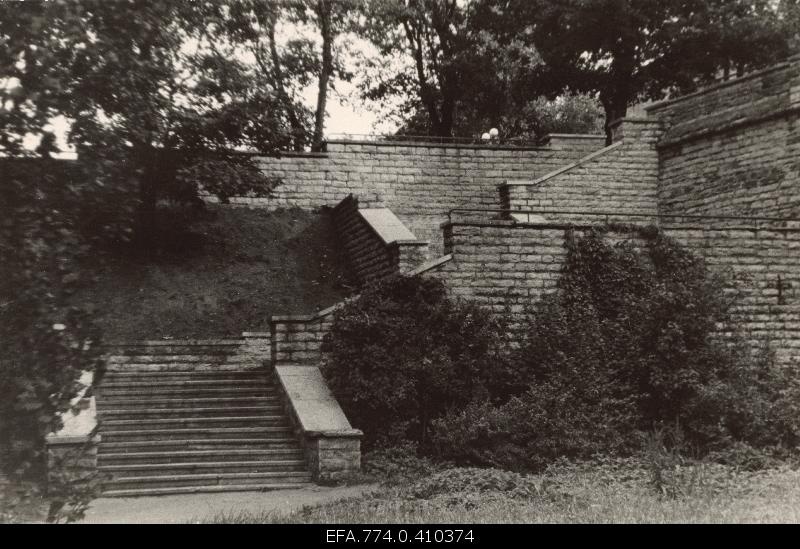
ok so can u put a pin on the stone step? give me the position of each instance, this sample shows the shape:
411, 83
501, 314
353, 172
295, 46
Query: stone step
181, 445
195, 456
145, 376
197, 367
109, 394
211, 342
263, 420
144, 492
186, 383
178, 359
147, 470
222, 481
114, 413
113, 403
280, 433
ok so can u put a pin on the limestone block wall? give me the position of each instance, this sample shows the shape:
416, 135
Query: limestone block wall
419, 182
733, 148
296, 340
621, 178
507, 266
376, 250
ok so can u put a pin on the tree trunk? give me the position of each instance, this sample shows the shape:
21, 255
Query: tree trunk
324, 14
298, 131
148, 198
614, 109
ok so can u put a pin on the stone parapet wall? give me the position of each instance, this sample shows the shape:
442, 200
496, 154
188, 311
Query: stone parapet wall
297, 340
621, 178
733, 148
419, 182
332, 447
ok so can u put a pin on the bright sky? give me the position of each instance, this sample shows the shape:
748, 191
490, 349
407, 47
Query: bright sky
345, 115
342, 119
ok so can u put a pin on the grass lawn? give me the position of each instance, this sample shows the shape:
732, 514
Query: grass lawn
588, 493
223, 274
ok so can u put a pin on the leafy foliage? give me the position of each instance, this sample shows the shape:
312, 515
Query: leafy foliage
45, 344
441, 73
628, 50
627, 344
403, 354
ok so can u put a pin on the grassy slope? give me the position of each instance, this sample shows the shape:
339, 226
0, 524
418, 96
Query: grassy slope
227, 274
575, 495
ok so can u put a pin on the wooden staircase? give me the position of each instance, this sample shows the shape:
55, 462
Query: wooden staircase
193, 416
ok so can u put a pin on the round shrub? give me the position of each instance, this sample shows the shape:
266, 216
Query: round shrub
403, 354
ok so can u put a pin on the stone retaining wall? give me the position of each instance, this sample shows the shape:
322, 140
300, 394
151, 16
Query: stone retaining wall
508, 266
419, 182
734, 148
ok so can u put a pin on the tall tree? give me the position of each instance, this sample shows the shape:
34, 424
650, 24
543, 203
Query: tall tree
432, 35
627, 50
45, 344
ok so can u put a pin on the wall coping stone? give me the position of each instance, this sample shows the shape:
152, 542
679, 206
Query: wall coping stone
386, 225
719, 85
435, 145
298, 319
316, 409
726, 127
575, 136
429, 265
514, 224
589, 157
79, 425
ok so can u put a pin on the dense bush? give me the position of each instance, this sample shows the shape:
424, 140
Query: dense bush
45, 343
403, 354
625, 345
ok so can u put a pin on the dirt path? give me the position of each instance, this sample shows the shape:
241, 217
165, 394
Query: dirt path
187, 508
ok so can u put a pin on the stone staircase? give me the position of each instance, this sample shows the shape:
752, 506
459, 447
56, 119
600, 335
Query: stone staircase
193, 416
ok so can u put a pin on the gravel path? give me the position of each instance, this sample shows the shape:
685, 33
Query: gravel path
182, 509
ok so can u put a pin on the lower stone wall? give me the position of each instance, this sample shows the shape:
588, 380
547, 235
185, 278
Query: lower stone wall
508, 266
297, 340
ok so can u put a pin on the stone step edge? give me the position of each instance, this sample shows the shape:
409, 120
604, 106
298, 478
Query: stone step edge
193, 391
112, 411
209, 400
189, 442
159, 342
196, 430
191, 476
142, 492
254, 383
195, 453
201, 373
116, 422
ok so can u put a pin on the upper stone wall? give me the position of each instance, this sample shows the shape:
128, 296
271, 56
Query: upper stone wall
419, 182
621, 178
733, 148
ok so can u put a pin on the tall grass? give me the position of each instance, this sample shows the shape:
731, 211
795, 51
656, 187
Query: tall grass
588, 494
